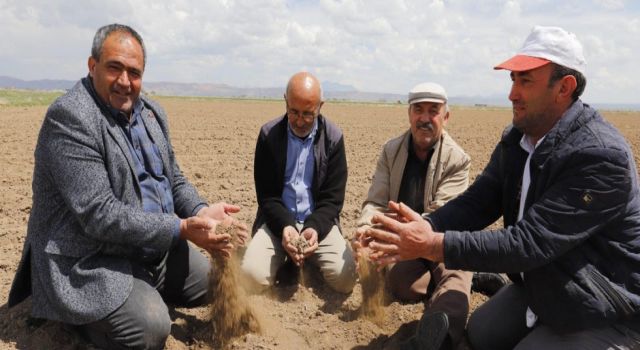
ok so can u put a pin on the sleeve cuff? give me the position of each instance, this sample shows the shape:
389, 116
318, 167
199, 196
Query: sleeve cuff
197, 208
176, 233
428, 218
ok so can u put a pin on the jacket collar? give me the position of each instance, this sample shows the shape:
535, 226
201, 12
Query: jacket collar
572, 119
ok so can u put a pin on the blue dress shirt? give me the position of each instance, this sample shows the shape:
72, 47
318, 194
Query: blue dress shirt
298, 175
154, 185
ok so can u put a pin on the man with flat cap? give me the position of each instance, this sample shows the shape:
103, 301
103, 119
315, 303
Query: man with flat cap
566, 184
422, 168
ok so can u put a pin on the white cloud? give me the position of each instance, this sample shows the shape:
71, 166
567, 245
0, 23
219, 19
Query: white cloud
375, 45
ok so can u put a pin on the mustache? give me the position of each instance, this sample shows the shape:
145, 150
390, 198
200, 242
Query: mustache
427, 125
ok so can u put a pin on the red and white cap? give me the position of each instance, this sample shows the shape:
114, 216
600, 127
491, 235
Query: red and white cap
544, 45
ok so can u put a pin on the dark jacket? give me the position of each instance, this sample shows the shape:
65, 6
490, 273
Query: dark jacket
578, 243
329, 177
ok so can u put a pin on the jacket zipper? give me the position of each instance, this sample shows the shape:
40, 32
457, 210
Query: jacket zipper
612, 295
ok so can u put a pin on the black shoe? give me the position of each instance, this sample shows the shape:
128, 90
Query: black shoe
487, 283
431, 333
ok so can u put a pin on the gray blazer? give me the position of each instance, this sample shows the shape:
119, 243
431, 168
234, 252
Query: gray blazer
86, 221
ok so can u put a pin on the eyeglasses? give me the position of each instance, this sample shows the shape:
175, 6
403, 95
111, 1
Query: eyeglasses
306, 115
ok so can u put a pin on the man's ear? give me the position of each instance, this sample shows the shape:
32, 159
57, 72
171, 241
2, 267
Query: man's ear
91, 64
568, 85
445, 118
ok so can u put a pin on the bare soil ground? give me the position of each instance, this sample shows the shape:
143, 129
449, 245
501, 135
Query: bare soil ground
214, 142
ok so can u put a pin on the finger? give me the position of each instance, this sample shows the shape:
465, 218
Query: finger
385, 222
379, 234
384, 247
230, 208
404, 211
291, 250
240, 225
297, 259
386, 260
241, 240
313, 240
221, 238
199, 223
392, 215
309, 250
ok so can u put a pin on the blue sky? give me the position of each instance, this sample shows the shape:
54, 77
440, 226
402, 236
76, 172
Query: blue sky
379, 46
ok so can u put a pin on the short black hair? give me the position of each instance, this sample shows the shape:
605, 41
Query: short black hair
103, 33
559, 71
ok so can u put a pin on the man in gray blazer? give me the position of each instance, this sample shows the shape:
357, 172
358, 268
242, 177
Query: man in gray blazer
112, 212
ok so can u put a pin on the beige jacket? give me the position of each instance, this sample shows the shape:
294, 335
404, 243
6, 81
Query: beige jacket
447, 176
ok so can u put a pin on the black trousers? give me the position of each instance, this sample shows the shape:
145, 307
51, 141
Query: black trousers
143, 322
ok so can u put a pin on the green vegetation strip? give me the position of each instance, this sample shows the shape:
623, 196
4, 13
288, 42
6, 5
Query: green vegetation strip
15, 97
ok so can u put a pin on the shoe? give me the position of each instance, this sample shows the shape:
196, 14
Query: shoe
431, 334
487, 283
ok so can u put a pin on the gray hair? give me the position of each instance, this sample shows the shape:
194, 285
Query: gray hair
103, 33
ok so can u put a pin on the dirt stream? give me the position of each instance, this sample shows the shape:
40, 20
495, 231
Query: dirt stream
214, 141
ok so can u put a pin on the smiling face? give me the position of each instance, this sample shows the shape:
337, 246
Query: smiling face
427, 120
117, 75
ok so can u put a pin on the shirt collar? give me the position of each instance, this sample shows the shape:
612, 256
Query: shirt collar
525, 143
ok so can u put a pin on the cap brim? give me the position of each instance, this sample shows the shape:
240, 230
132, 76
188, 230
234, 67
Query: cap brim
434, 100
519, 63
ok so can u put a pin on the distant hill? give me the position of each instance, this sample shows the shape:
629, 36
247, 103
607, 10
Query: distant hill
332, 91
44, 84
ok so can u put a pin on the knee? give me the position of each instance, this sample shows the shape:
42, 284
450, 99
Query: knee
155, 324
405, 293
148, 328
254, 278
403, 289
341, 276
157, 333
479, 333
475, 333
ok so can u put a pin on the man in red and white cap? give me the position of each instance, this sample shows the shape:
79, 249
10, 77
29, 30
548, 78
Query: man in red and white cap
566, 184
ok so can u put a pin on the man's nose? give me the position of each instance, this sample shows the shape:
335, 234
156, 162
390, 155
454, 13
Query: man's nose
426, 116
514, 93
123, 79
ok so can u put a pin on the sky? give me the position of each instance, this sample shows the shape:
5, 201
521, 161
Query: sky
373, 45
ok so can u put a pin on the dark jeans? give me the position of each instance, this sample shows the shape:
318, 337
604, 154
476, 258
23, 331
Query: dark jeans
500, 324
142, 322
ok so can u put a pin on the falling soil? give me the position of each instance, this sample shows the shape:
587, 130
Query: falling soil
231, 314
373, 291
301, 244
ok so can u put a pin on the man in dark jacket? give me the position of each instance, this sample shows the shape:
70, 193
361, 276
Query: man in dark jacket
566, 183
300, 172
